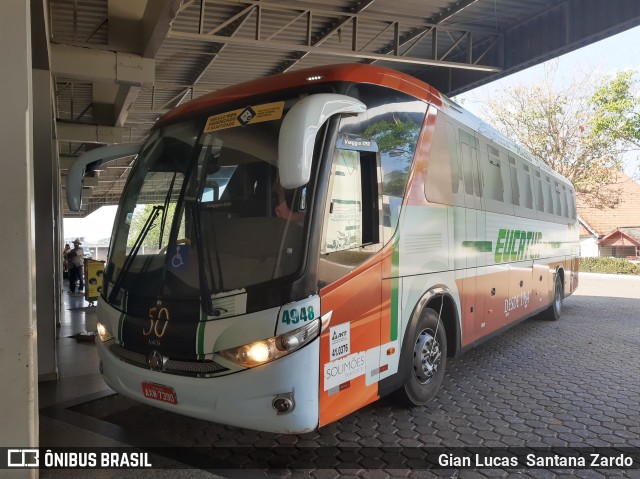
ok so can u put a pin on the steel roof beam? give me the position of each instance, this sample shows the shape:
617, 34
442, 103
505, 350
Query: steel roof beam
435, 25
352, 19
449, 12
328, 51
332, 29
240, 20
529, 42
346, 15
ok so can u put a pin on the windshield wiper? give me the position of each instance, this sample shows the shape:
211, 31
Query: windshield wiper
165, 209
155, 211
205, 289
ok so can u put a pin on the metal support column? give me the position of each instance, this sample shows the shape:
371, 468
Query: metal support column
18, 356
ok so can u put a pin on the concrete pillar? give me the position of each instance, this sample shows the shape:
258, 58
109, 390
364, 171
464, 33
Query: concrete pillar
48, 253
18, 356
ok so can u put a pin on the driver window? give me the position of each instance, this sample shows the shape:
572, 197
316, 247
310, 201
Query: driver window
351, 232
344, 221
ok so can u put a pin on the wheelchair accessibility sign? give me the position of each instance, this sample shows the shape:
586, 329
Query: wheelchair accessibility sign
180, 259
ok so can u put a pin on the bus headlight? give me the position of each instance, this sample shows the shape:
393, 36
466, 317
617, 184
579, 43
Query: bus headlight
103, 333
265, 350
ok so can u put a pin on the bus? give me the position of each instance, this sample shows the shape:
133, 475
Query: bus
291, 249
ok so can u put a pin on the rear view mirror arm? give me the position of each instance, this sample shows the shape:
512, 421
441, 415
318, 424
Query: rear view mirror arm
99, 156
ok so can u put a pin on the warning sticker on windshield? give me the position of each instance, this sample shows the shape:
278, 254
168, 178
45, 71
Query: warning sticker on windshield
245, 116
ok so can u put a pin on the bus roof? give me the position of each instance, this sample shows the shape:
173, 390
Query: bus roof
357, 73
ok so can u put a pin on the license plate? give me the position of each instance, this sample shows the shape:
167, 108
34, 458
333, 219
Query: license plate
159, 393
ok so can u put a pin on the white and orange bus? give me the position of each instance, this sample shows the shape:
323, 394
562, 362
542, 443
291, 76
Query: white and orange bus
293, 248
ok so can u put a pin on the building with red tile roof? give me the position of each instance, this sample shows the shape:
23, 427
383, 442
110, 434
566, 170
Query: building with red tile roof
612, 231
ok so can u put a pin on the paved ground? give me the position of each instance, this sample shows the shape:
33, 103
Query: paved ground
572, 383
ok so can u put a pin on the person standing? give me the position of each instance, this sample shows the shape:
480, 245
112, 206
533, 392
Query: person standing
76, 262
65, 261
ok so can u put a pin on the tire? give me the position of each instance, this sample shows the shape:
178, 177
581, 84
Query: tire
426, 360
553, 312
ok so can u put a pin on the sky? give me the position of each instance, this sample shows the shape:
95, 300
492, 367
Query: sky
93, 228
620, 52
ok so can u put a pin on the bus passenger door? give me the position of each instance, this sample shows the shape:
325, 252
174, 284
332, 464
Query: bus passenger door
350, 276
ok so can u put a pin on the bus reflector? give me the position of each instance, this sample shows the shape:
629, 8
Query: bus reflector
391, 351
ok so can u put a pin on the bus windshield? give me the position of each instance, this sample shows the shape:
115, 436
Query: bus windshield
203, 213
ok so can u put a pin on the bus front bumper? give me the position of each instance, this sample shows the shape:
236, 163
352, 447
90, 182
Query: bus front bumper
243, 399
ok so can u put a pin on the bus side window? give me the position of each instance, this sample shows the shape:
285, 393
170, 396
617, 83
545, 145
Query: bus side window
352, 214
457, 188
442, 169
492, 170
471, 174
539, 197
522, 184
572, 204
548, 195
563, 200
497, 180
515, 188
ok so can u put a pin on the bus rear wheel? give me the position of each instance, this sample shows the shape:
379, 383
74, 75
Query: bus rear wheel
553, 312
428, 358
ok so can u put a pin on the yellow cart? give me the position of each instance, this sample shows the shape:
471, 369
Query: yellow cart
93, 274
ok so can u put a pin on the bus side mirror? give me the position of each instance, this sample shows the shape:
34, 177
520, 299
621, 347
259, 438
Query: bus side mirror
298, 133
98, 156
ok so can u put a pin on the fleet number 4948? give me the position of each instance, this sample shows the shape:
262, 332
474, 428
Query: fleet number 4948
295, 315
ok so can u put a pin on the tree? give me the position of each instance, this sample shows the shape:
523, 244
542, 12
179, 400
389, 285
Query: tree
577, 129
616, 107
152, 238
396, 139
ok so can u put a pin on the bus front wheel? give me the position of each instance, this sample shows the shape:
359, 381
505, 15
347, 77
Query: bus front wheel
428, 357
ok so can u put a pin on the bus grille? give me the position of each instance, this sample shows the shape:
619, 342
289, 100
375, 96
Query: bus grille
202, 368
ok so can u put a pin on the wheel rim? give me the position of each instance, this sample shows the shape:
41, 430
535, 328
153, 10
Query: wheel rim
426, 356
557, 301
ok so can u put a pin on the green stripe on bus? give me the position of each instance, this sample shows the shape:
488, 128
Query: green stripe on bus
200, 335
346, 202
121, 319
395, 281
480, 246
120, 322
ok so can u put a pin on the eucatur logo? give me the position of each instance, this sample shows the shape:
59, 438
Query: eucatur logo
516, 245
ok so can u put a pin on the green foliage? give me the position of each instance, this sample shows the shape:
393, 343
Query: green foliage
609, 266
395, 181
390, 135
152, 239
397, 137
617, 112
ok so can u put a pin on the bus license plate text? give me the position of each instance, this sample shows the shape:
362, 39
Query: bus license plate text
159, 393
